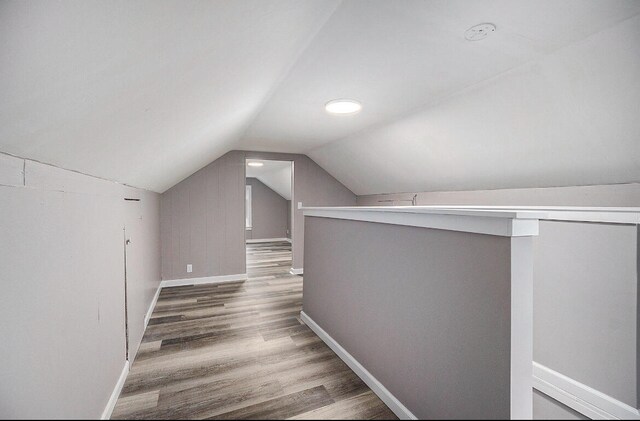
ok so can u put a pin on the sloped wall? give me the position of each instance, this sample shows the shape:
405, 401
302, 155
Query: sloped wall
569, 118
62, 304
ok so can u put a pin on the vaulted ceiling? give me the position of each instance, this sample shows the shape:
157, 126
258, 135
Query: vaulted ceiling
274, 174
148, 92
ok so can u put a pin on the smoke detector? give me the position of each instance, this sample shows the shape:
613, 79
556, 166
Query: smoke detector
478, 32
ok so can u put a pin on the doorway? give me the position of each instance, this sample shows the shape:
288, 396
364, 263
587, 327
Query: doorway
134, 292
268, 208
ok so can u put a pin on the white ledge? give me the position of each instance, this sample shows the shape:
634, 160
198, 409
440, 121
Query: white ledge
612, 215
507, 223
609, 215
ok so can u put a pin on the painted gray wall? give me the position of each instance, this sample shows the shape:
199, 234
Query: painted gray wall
603, 195
419, 309
586, 304
62, 306
312, 186
268, 211
546, 408
202, 222
142, 227
202, 217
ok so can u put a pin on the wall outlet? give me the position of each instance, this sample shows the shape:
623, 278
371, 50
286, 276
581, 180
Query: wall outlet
299, 205
189, 268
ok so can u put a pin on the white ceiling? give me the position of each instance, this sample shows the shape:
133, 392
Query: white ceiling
570, 118
148, 92
274, 174
142, 92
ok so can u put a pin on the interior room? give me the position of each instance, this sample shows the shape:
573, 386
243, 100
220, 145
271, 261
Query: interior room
320, 209
268, 201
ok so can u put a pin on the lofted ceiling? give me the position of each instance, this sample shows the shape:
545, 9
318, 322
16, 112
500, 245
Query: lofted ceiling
274, 174
148, 92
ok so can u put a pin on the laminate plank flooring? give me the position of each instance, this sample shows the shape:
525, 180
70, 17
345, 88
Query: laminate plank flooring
240, 351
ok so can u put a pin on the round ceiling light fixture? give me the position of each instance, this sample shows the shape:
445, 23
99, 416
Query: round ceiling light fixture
343, 106
255, 164
478, 32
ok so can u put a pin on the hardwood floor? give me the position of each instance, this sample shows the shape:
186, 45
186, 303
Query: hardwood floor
240, 351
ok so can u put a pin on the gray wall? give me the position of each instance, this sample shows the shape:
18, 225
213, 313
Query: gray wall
142, 227
546, 408
427, 312
604, 195
62, 305
202, 222
586, 305
202, 217
312, 186
268, 212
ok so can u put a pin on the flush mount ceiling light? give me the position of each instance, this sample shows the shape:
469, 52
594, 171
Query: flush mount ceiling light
255, 164
478, 32
343, 106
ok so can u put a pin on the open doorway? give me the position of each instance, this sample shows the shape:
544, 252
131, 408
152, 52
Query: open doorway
268, 216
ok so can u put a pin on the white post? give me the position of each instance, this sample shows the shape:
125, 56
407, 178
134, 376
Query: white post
521, 327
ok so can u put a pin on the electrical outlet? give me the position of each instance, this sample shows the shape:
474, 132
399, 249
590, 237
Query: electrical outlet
299, 205
189, 268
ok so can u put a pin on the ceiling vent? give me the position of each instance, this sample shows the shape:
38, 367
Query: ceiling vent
478, 32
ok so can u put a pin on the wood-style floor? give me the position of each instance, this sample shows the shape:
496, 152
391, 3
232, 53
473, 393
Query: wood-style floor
240, 351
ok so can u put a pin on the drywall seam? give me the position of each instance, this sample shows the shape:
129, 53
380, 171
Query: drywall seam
70, 170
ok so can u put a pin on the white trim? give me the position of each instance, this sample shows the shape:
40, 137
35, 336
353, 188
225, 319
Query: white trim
204, 280
248, 213
501, 223
521, 404
391, 401
295, 271
267, 240
152, 306
580, 397
612, 215
108, 410
485, 211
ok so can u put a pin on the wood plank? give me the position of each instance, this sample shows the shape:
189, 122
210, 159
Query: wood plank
365, 406
239, 351
281, 407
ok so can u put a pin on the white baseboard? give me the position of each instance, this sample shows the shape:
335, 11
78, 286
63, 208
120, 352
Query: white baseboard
267, 240
108, 410
391, 401
106, 414
152, 306
580, 397
204, 280
294, 271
